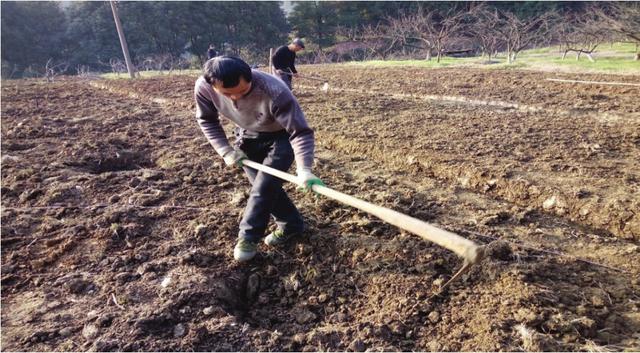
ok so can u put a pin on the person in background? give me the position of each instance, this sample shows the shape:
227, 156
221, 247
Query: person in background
283, 60
272, 130
211, 52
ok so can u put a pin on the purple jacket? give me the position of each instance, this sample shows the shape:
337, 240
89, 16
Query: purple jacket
269, 106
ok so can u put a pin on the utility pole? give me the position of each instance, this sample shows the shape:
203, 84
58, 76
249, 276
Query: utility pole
123, 40
270, 61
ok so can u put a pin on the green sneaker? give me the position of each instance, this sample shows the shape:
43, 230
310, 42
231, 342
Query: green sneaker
278, 237
244, 250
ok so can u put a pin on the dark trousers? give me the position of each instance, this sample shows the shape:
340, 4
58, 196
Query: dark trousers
267, 198
287, 79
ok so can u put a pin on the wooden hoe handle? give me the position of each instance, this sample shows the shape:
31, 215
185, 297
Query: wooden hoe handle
468, 250
304, 76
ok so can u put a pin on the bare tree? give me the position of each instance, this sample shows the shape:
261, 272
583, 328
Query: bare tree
416, 31
519, 34
31, 72
158, 62
447, 28
82, 70
345, 33
424, 30
622, 18
117, 66
484, 29
9, 70
381, 39
52, 70
581, 33
323, 57
436, 30
178, 63
350, 45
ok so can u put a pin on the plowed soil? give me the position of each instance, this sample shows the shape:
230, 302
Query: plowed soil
118, 218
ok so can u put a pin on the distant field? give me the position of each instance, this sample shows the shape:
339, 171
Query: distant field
610, 58
151, 73
613, 58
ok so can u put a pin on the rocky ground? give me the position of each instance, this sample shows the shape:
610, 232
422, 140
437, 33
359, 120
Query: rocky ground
118, 219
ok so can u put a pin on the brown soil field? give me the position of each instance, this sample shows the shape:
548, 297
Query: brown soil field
118, 218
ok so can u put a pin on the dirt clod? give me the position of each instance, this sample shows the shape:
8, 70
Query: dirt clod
598, 300
90, 331
299, 338
179, 330
357, 346
208, 310
201, 231
65, 332
434, 316
499, 250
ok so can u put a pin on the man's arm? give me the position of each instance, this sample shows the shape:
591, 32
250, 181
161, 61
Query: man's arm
207, 117
293, 66
287, 112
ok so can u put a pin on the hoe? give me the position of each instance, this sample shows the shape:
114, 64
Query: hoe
325, 86
470, 252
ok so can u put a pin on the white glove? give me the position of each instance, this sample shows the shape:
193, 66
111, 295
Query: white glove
234, 157
306, 179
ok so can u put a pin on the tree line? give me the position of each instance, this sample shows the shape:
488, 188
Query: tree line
422, 30
78, 37
159, 34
